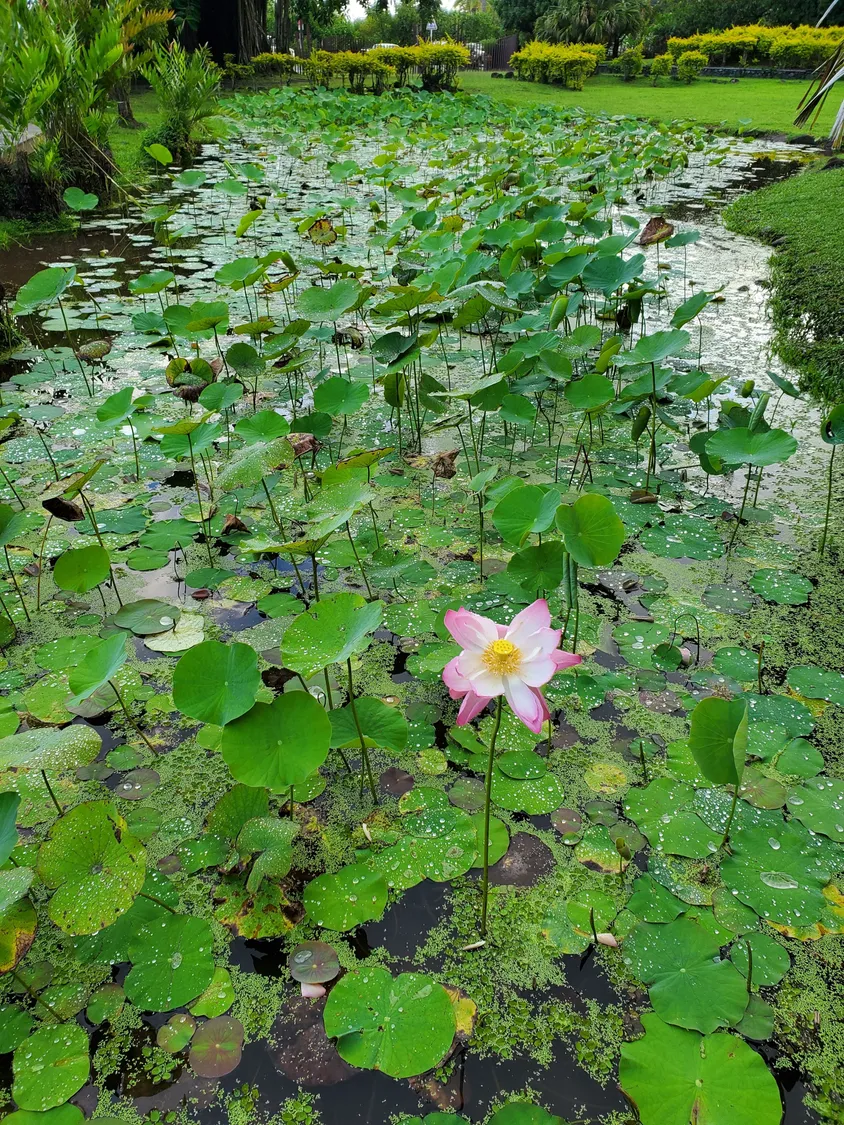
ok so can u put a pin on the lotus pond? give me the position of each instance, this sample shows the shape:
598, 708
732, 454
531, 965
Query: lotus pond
421, 639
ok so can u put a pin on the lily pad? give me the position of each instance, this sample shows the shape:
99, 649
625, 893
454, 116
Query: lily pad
94, 866
50, 1066
675, 1076
172, 963
783, 587
782, 874
817, 683
279, 744
355, 895
216, 1047
770, 960
313, 962
818, 805
334, 629
689, 985
215, 682
401, 1025
149, 615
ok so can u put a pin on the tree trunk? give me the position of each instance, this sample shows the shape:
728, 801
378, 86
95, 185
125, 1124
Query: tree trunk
282, 26
120, 93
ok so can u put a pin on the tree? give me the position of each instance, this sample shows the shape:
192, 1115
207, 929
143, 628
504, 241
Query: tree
521, 15
592, 21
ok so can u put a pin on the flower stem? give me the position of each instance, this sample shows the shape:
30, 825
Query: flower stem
363, 748
129, 718
52, 794
487, 804
730, 817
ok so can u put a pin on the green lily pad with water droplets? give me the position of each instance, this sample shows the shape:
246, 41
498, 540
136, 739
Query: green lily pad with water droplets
727, 599
50, 750
217, 998
651, 902
521, 765
674, 1076
662, 810
172, 963
770, 960
50, 1066
94, 866
781, 874
533, 795
738, 663
332, 630
354, 895
819, 805
401, 1025
688, 984
149, 615
683, 537
798, 758
175, 1035
637, 642
783, 587
111, 945
817, 683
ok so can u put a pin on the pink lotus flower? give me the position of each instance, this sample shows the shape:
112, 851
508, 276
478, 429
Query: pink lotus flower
512, 660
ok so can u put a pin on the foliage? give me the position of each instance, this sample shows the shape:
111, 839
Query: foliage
786, 47
592, 21
661, 66
690, 64
463, 382
631, 63
803, 216
570, 66
58, 66
186, 84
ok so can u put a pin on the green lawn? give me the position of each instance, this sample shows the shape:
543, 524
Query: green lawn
804, 215
768, 104
126, 143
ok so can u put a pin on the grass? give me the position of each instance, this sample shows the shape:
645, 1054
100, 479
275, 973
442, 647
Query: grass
127, 144
758, 105
804, 216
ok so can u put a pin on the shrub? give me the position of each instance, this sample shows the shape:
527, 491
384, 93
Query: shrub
437, 63
277, 65
187, 84
690, 64
235, 71
561, 63
630, 63
780, 46
661, 66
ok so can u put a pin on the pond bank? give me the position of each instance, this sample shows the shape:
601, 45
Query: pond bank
803, 217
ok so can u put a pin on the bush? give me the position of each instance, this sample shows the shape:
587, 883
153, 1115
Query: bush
351, 66
276, 65
786, 47
187, 84
630, 63
560, 63
690, 64
661, 66
438, 63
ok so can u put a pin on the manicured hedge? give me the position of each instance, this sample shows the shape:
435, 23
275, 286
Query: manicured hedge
785, 47
560, 63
